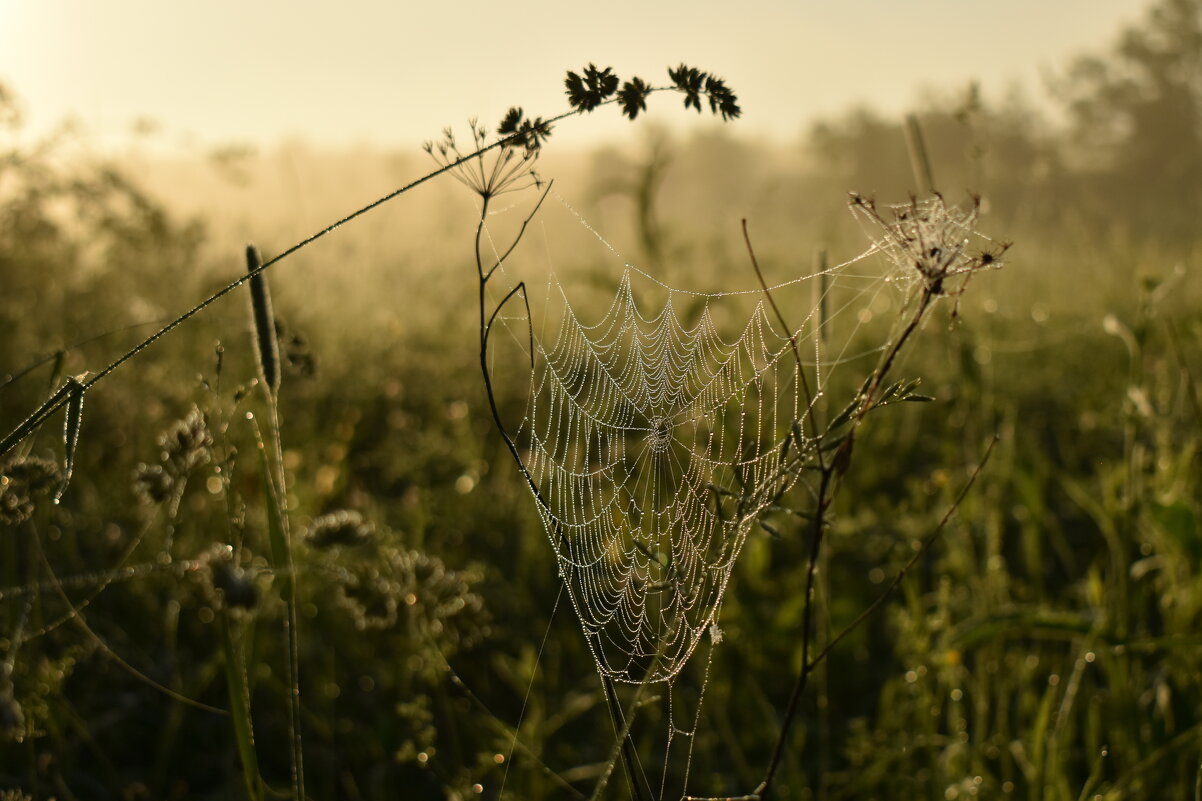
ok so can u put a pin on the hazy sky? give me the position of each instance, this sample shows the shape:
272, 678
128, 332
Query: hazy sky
396, 72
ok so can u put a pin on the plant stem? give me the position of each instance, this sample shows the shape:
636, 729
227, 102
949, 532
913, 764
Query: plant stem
826, 488
807, 623
486, 321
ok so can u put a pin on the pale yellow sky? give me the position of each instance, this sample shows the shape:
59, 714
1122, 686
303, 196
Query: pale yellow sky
395, 73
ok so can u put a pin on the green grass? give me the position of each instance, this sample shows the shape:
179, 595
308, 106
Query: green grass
1044, 647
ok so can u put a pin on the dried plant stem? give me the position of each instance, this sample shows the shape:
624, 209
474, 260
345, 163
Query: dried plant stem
868, 397
267, 359
76, 615
484, 274
294, 708
929, 540
819, 524
276, 491
826, 489
762, 791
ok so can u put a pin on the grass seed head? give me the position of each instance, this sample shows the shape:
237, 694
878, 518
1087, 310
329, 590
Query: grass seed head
267, 349
344, 527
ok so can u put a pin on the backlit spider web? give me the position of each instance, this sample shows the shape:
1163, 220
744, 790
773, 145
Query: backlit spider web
658, 432
655, 444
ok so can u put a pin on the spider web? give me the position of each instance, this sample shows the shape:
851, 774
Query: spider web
657, 434
662, 425
656, 444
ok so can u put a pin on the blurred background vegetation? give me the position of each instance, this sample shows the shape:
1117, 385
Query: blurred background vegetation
1047, 648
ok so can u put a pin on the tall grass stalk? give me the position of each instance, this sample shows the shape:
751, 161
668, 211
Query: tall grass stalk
275, 489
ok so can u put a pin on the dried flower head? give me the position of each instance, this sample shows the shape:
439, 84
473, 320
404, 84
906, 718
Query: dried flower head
227, 583
22, 480
236, 584
931, 242
435, 600
152, 484
186, 444
344, 527
502, 169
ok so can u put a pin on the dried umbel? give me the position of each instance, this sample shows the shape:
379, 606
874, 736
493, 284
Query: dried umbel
22, 481
152, 484
931, 242
344, 527
397, 585
507, 168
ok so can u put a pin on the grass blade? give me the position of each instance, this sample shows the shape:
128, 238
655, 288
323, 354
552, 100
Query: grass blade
239, 695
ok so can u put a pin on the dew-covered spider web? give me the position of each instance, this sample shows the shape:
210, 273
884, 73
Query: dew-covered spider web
658, 431
672, 415
656, 442
663, 425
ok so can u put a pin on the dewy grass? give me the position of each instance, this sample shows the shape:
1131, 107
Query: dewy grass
519, 145
71, 425
586, 92
275, 488
921, 616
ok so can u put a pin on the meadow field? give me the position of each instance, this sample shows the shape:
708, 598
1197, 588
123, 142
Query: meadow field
332, 567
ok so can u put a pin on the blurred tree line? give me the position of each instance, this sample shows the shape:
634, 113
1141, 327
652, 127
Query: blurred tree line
1116, 156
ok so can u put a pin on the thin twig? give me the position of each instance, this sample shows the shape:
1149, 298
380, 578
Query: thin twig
835, 468
799, 686
76, 615
920, 162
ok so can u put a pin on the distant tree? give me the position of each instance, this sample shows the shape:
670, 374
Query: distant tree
1136, 115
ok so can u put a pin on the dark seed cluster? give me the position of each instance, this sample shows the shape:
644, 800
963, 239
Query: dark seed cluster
22, 481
